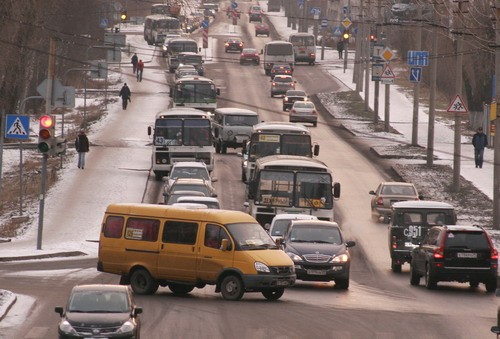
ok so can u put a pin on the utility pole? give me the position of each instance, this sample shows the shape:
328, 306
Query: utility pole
358, 68
416, 85
458, 88
48, 109
432, 97
496, 150
366, 43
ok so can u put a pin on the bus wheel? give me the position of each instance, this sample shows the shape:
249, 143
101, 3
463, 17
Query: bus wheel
232, 288
273, 294
142, 282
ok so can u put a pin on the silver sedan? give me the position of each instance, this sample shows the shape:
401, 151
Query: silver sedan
304, 111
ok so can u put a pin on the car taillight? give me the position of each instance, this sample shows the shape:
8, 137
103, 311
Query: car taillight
293, 111
439, 253
380, 201
241, 45
394, 242
314, 112
293, 85
274, 84
312, 55
494, 254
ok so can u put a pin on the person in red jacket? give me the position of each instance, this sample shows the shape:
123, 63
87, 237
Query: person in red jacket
140, 69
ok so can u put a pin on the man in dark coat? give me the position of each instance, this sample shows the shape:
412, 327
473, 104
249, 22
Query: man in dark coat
125, 95
134, 61
479, 141
82, 147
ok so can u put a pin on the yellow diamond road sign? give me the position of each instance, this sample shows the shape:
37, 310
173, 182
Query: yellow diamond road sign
387, 54
346, 23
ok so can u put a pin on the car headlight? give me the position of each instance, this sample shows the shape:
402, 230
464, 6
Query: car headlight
127, 327
341, 258
260, 267
66, 327
164, 48
294, 256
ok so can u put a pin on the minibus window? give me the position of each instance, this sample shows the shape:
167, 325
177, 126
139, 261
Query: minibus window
142, 229
214, 235
178, 232
113, 227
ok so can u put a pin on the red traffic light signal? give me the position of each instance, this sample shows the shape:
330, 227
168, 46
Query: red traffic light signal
46, 134
373, 38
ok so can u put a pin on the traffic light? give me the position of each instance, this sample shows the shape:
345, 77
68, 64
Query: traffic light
345, 36
123, 15
46, 134
373, 38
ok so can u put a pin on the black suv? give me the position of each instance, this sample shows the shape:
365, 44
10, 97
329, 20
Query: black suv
318, 251
291, 96
455, 253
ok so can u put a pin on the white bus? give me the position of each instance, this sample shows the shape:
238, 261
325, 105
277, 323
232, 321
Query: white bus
304, 47
195, 92
276, 137
277, 52
181, 134
175, 46
291, 184
157, 26
170, 9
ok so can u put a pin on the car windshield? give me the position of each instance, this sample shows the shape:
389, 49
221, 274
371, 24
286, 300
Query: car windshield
249, 51
303, 104
189, 172
241, 120
398, 190
99, 302
295, 93
251, 236
280, 227
190, 187
315, 234
287, 80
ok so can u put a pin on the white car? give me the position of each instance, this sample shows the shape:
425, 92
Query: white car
304, 111
209, 202
280, 223
188, 169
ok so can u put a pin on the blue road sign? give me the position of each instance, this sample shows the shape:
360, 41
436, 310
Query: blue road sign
103, 23
300, 3
418, 58
345, 10
315, 11
234, 5
17, 127
337, 31
324, 22
205, 24
415, 74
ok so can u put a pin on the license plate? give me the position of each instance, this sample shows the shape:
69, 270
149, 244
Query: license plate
316, 272
466, 255
282, 283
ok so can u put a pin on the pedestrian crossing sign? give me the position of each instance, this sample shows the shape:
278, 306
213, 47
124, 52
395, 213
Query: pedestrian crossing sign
17, 127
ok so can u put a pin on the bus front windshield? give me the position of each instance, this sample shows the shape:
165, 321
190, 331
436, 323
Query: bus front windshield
281, 49
195, 93
249, 236
302, 40
241, 120
314, 190
178, 132
178, 47
275, 188
263, 145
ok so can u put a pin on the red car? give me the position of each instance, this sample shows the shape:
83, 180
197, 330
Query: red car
249, 55
262, 29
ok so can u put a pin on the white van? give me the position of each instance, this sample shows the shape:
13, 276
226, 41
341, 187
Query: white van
232, 127
279, 226
278, 52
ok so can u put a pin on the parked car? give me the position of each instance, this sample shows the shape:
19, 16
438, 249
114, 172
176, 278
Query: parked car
281, 69
304, 111
233, 44
249, 55
291, 96
100, 311
262, 29
279, 226
318, 251
455, 253
255, 15
386, 194
282, 83
410, 222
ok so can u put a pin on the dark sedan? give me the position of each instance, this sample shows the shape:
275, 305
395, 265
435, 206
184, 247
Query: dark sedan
100, 311
233, 44
318, 251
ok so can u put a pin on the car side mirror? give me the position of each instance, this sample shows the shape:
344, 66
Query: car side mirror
59, 310
280, 241
267, 226
149, 130
421, 196
416, 241
224, 244
214, 179
372, 193
137, 311
246, 204
495, 329
218, 91
350, 243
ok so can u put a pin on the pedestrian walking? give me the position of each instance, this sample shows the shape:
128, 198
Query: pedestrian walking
340, 48
140, 69
125, 94
479, 141
135, 61
82, 146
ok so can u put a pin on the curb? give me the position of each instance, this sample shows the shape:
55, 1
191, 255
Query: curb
44, 256
4, 310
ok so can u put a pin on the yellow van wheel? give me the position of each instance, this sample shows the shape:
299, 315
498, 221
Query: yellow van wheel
142, 282
232, 288
273, 294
